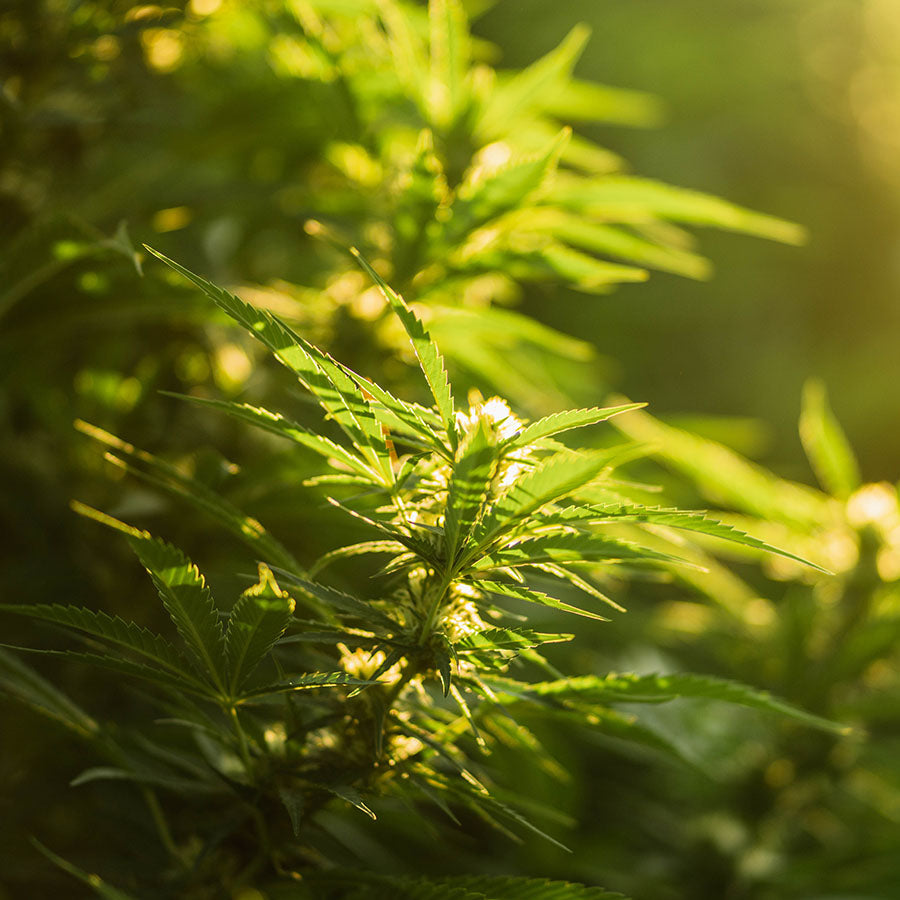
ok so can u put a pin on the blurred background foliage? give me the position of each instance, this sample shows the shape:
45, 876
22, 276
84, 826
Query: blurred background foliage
250, 140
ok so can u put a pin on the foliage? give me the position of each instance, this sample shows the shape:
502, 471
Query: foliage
400, 653
395, 695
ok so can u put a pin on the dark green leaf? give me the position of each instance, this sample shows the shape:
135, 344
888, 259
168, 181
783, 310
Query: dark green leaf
470, 481
258, 620
430, 359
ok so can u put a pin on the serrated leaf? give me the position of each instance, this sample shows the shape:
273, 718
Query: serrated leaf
571, 548
827, 448
408, 420
628, 688
687, 520
410, 536
316, 370
258, 620
359, 549
277, 424
22, 682
551, 480
470, 481
578, 582
430, 359
566, 421
366, 887
304, 682
187, 599
342, 602
506, 887
505, 639
171, 480
160, 677
479, 798
532, 596
112, 629
350, 795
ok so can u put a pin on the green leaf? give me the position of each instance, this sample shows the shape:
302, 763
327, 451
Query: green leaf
629, 199
727, 478
275, 423
95, 882
505, 887
258, 620
407, 49
302, 683
316, 370
551, 480
154, 779
608, 240
827, 448
22, 682
585, 272
505, 189
418, 539
628, 688
449, 54
505, 639
407, 419
571, 548
566, 421
350, 795
588, 101
344, 603
168, 478
359, 549
533, 86
478, 798
160, 677
578, 582
430, 359
355, 886
687, 520
187, 599
470, 482
122, 634
531, 596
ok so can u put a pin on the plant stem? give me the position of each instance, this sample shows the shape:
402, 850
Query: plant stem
434, 608
162, 826
243, 745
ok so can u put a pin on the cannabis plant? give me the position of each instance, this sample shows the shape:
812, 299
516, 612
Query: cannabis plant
303, 696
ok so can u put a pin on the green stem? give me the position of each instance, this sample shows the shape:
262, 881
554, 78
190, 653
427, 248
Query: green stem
162, 826
434, 609
243, 744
